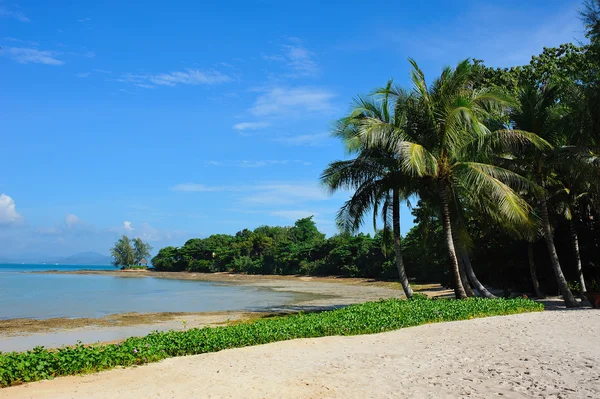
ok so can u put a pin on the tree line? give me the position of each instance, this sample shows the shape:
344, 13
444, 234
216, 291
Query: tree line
299, 249
505, 164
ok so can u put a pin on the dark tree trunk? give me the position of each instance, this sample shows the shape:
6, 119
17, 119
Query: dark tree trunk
398, 245
471, 273
461, 265
463, 275
533, 271
568, 297
459, 290
575, 243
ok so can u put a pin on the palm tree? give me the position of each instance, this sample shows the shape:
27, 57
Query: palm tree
444, 143
537, 113
374, 175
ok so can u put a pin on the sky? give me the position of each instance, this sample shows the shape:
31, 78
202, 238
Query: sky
174, 120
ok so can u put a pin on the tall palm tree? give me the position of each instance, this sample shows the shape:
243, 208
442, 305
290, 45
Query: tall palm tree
537, 113
444, 142
374, 175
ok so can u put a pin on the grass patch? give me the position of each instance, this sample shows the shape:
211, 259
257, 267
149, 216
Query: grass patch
365, 318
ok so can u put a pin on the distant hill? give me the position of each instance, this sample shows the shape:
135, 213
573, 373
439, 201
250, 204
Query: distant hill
83, 258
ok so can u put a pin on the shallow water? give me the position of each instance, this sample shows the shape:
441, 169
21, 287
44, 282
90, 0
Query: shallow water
42, 296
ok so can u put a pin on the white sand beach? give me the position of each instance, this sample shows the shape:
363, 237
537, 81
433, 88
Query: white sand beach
553, 354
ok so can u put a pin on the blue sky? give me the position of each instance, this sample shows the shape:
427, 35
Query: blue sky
173, 120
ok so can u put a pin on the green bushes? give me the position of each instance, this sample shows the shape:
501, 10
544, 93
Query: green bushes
366, 318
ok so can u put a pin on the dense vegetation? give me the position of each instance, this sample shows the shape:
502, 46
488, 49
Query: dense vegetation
130, 256
366, 318
300, 249
505, 164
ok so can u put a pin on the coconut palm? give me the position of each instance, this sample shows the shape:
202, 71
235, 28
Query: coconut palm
374, 175
444, 143
538, 112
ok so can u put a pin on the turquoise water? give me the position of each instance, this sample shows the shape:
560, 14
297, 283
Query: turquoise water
42, 296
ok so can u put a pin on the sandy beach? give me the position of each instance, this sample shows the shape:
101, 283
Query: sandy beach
553, 354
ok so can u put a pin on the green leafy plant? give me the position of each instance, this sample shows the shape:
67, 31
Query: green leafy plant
367, 318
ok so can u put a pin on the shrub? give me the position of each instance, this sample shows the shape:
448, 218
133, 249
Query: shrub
366, 318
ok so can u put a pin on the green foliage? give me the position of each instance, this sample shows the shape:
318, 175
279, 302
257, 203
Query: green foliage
299, 249
123, 253
366, 318
126, 255
141, 250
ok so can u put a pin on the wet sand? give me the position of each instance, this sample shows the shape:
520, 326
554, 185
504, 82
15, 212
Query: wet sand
551, 354
312, 293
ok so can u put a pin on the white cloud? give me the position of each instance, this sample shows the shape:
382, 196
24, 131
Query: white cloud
264, 193
31, 55
149, 233
8, 210
198, 188
281, 101
19, 16
127, 226
522, 37
285, 193
187, 77
311, 140
251, 125
298, 59
72, 220
293, 214
257, 164
83, 74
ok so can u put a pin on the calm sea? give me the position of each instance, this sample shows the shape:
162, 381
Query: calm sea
28, 295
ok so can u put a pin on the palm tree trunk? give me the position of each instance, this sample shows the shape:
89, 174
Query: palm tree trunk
398, 245
568, 297
575, 242
463, 276
471, 273
459, 290
461, 265
533, 271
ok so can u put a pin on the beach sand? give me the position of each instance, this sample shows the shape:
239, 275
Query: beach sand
552, 354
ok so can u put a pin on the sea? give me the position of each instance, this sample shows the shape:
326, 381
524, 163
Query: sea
27, 294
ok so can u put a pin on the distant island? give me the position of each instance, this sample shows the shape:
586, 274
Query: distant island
83, 258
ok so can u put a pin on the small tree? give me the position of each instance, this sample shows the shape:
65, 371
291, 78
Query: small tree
141, 250
123, 253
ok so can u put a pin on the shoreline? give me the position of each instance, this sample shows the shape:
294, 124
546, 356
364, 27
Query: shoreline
311, 294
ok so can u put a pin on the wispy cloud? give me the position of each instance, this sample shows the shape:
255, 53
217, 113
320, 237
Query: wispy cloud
263, 193
26, 42
309, 140
72, 220
285, 194
251, 126
32, 56
83, 74
450, 43
187, 77
297, 58
258, 164
199, 188
294, 214
283, 101
8, 210
19, 16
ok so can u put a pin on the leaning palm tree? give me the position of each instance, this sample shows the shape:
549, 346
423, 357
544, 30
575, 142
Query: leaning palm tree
374, 175
538, 112
444, 143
